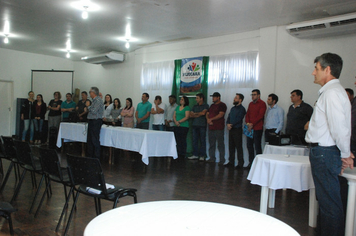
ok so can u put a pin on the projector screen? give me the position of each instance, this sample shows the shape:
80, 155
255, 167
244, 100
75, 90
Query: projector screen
46, 82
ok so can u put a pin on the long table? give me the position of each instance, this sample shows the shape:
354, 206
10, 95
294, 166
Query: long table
146, 142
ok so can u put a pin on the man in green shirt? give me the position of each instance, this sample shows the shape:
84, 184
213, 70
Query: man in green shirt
67, 107
143, 112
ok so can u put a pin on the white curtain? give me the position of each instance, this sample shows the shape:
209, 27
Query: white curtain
157, 79
231, 74
234, 70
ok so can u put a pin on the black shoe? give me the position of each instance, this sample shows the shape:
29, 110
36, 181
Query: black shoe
247, 167
228, 165
238, 167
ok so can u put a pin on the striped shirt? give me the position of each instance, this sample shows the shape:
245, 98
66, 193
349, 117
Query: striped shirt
96, 109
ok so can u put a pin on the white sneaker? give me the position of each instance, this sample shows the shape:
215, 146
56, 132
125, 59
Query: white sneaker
201, 158
193, 158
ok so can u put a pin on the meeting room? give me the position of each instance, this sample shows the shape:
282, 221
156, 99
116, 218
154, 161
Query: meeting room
177, 117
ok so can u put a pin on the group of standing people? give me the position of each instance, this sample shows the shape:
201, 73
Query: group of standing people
33, 113
327, 129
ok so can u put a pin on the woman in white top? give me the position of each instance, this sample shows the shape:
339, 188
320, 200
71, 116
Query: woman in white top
108, 105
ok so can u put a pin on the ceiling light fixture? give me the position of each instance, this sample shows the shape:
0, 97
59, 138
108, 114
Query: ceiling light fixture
68, 45
6, 31
127, 44
68, 48
85, 6
7, 27
85, 12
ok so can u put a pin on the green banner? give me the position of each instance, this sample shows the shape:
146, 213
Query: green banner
190, 78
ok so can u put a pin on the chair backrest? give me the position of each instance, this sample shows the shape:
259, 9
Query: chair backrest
86, 171
24, 153
50, 162
8, 147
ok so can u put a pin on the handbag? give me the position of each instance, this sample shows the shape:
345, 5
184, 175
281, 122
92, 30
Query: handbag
248, 133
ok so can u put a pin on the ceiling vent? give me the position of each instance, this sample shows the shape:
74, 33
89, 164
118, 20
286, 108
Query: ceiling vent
106, 58
331, 26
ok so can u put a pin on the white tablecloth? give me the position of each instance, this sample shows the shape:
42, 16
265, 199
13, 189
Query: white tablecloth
282, 171
186, 218
146, 142
286, 150
350, 229
273, 172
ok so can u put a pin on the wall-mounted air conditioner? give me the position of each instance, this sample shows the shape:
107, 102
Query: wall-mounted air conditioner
110, 57
331, 26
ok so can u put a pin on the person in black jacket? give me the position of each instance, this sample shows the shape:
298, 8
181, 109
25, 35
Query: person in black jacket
39, 109
26, 115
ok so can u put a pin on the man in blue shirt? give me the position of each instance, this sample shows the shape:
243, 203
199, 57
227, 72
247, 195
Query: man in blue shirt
274, 117
234, 125
143, 112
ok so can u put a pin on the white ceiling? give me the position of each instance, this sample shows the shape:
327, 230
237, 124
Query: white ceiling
43, 26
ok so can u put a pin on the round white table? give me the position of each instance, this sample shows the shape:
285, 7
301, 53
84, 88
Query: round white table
350, 175
286, 150
185, 218
272, 171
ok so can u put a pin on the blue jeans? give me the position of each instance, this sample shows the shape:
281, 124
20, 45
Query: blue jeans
27, 123
38, 128
199, 135
38, 125
256, 140
158, 127
326, 166
216, 136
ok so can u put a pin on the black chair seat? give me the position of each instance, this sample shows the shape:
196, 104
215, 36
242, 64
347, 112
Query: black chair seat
51, 166
65, 176
86, 171
29, 163
112, 194
5, 211
9, 152
36, 166
6, 207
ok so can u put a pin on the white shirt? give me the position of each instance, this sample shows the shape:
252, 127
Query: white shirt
107, 111
330, 123
158, 119
169, 113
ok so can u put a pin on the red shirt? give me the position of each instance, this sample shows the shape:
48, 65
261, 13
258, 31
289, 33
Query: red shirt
214, 111
256, 114
38, 110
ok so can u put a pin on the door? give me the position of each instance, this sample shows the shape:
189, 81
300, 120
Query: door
6, 88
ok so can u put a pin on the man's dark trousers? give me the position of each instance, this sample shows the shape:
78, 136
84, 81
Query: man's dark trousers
93, 138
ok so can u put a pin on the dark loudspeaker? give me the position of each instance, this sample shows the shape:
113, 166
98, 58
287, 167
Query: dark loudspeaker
52, 137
